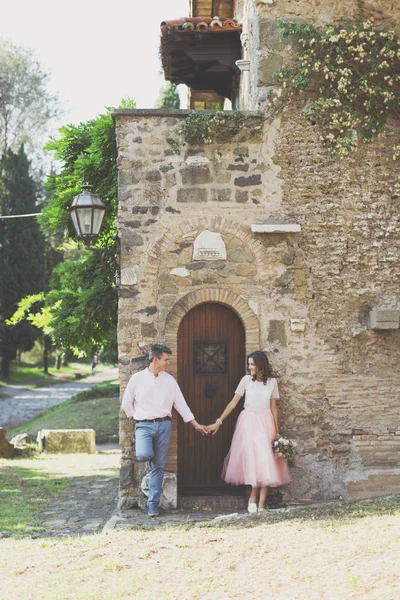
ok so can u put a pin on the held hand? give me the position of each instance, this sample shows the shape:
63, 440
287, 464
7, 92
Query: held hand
213, 428
200, 428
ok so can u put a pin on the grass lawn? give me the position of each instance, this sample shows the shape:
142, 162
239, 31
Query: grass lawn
25, 490
28, 485
33, 376
351, 555
343, 551
97, 408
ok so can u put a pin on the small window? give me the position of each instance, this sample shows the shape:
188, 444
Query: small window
210, 357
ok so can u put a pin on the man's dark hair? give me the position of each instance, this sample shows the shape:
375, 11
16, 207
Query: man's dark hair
157, 350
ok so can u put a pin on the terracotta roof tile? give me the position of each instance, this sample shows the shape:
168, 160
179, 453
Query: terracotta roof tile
189, 24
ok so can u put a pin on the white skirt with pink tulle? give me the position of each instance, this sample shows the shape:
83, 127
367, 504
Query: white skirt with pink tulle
250, 459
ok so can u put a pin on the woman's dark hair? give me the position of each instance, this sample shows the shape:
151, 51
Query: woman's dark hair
262, 364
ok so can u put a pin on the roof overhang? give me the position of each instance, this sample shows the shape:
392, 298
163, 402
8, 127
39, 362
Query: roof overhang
201, 52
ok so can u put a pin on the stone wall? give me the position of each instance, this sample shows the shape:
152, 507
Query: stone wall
309, 292
267, 54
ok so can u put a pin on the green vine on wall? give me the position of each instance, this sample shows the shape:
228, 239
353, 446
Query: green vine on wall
353, 71
203, 127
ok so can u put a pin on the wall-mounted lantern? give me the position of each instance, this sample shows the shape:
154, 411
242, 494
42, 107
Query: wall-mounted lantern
87, 212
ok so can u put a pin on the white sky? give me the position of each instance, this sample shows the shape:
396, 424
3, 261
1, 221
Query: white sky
97, 52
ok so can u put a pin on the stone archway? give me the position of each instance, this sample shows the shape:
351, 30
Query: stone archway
223, 296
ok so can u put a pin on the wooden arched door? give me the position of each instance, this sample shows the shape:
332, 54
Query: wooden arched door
211, 362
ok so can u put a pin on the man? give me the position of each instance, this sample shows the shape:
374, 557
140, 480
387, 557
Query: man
149, 398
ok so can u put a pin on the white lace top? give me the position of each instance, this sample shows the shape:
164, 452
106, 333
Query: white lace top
258, 395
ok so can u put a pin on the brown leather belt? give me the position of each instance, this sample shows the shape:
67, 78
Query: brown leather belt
153, 420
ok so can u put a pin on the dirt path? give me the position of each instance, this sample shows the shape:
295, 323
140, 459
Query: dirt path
22, 404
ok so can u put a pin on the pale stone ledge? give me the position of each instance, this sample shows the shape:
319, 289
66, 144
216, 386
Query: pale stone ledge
180, 272
67, 441
298, 325
275, 228
384, 318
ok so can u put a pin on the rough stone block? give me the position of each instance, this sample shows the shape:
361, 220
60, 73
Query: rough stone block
148, 330
21, 439
223, 195
241, 196
193, 175
131, 238
195, 195
67, 441
269, 66
6, 449
128, 276
269, 35
127, 177
153, 176
239, 167
222, 177
277, 332
168, 499
251, 180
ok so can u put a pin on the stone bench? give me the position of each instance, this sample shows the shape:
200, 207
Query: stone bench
67, 441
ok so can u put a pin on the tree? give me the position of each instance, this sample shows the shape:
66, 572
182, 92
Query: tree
83, 294
26, 106
169, 97
22, 270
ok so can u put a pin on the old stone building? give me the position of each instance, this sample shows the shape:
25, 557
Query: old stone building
260, 240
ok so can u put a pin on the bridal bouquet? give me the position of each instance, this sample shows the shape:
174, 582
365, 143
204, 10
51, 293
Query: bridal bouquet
284, 448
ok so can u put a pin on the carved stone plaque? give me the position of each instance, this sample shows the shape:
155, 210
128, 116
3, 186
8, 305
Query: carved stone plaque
209, 245
210, 357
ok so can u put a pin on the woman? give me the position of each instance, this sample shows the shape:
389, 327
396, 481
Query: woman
251, 460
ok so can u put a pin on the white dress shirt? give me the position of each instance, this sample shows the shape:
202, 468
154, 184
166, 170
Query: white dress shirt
150, 397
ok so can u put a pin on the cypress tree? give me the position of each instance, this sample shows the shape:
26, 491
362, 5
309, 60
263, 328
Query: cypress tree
22, 270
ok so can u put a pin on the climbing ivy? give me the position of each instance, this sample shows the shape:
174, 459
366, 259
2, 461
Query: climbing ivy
204, 127
353, 75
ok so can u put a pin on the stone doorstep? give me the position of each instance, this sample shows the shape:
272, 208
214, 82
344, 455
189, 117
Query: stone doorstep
137, 518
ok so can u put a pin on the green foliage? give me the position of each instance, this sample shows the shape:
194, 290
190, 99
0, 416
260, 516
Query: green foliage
127, 103
176, 145
87, 154
353, 71
83, 297
203, 127
22, 269
169, 97
26, 106
84, 305
33, 310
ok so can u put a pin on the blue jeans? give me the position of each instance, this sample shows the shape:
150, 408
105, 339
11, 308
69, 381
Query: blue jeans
152, 442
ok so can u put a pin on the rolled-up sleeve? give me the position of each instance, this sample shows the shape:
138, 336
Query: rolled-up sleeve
128, 399
181, 406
